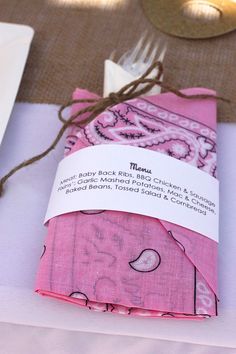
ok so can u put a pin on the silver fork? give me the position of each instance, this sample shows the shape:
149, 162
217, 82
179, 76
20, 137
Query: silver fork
137, 60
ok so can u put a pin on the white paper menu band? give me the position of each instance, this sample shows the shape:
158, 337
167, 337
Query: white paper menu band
131, 179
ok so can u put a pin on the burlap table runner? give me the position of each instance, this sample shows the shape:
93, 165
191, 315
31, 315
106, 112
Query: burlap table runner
74, 37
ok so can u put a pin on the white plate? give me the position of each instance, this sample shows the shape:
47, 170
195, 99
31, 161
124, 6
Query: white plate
14, 48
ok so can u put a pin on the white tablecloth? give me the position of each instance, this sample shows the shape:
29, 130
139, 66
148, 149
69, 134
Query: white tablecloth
16, 339
22, 210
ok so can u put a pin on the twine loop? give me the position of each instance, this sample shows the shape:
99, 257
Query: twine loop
98, 105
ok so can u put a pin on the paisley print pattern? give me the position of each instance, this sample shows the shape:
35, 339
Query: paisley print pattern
143, 124
132, 264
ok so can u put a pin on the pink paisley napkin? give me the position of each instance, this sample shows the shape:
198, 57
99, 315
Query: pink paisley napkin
133, 264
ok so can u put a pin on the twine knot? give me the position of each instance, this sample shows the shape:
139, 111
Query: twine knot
115, 98
99, 105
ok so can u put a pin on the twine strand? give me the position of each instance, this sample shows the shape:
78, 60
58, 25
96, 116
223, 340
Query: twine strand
97, 106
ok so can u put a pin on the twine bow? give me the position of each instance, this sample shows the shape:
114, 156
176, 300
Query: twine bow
99, 105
